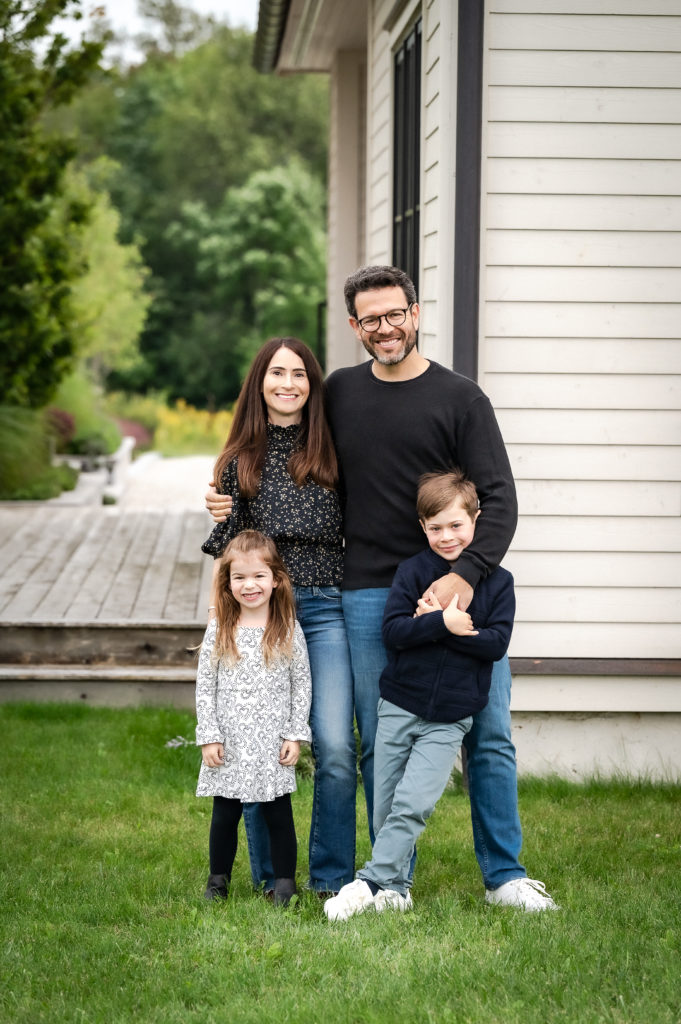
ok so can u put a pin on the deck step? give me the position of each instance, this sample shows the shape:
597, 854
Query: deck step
120, 644
98, 673
100, 685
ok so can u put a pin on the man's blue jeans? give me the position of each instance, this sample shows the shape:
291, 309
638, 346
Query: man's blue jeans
332, 828
492, 779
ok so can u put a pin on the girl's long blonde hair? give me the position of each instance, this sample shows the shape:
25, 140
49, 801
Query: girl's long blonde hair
278, 636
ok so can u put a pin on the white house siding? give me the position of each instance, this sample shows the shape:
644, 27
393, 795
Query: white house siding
581, 321
438, 160
438, 151
346, 220
379, 137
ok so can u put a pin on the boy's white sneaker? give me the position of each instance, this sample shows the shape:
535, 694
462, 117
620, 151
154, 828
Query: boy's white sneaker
353, 898
390, 899
525, 893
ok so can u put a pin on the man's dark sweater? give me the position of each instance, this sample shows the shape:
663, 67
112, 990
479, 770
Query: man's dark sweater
387, 435
431, 672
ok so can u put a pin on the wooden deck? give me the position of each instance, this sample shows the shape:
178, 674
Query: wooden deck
106, 604
102, 564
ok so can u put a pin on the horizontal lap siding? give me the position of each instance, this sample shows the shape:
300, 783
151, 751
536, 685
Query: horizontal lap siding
581, 316
438, 102
379, 138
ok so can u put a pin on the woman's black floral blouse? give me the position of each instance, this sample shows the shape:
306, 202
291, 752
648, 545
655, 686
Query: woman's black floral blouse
304, 522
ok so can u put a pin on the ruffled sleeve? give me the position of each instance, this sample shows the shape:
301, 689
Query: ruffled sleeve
239, 520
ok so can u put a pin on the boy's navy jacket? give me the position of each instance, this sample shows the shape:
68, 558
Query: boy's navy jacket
430, 672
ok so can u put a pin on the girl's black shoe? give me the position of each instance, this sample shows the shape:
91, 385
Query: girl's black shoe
217, 887
284, 889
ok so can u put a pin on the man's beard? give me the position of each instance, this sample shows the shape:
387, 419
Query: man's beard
391, 358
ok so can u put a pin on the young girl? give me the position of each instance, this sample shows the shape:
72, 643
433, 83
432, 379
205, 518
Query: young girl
252, 705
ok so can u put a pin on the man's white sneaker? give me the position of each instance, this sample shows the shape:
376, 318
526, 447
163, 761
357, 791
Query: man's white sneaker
390, 899
353, 898
525, 893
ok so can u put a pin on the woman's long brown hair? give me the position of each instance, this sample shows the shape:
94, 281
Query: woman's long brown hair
277, 639
314, 457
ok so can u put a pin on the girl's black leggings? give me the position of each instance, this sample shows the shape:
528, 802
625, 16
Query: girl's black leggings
278, 815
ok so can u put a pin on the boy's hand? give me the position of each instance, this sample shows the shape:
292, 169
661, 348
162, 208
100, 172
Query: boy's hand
457, 621
219, 505
427, 603
289, 753
213, 755
447, 586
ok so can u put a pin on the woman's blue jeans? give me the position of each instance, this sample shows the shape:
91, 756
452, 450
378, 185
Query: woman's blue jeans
492, 779
332, 828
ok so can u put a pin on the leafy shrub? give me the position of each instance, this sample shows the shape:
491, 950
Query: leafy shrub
96, 433
62, 425
25, 470
131, 428
184, 430
48, 484
144, 409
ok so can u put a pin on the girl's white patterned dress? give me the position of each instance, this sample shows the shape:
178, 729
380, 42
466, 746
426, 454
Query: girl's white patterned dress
251, 708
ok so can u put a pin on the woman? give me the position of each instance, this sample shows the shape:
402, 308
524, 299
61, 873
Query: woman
279, 465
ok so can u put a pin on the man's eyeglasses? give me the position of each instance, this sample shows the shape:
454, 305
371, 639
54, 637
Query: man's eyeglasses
394, 318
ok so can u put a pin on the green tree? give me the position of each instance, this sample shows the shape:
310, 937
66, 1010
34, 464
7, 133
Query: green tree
266, 253
37, 264
109, 300
256, 268
185, 128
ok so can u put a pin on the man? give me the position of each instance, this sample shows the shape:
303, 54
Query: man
393, 419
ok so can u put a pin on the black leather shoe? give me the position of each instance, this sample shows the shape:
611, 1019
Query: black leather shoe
284, 889
217, 887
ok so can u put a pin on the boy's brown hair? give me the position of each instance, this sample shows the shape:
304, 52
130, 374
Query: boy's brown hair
277, 641
438, 490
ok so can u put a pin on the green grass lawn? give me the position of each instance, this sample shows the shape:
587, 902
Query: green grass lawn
104, 859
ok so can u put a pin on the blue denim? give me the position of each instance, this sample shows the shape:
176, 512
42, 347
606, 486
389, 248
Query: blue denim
414, 759
492, 779
332, 828
363, 611
493, 785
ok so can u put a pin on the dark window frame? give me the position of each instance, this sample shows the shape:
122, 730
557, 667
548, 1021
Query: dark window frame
468, 172
407, 153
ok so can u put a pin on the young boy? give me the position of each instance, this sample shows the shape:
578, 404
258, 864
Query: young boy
438, 675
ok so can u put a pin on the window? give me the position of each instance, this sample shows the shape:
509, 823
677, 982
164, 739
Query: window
406, 154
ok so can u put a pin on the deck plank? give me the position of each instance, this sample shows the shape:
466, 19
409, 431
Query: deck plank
89, 599
122, 594
184, 593
31, 576
75, 572
20, 528
153, 592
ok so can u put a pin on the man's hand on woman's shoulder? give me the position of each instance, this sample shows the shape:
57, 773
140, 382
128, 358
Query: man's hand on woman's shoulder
219, 505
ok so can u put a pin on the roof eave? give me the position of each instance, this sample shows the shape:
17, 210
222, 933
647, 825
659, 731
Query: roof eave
272, 16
